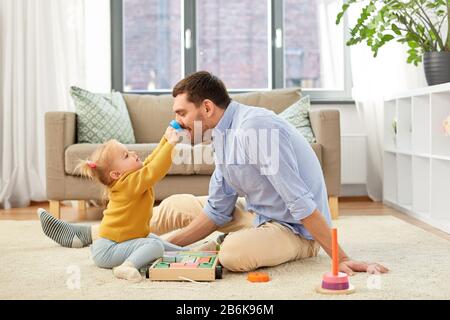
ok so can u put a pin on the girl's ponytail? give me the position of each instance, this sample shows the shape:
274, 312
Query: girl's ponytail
87, 169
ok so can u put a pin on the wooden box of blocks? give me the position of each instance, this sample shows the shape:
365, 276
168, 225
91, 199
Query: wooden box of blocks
185, 266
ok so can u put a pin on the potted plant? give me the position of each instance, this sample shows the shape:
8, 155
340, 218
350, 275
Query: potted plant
394, 131
417, 23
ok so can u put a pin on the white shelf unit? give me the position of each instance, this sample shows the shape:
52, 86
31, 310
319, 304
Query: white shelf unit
417, 154
440, 109
404, 180
421, 124
390, 115
390, 177
404, 129
421, 171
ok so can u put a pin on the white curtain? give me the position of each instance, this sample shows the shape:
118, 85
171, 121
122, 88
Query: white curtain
45, 47
331, 38
373, 79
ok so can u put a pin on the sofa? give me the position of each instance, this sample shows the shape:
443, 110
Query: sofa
150, 115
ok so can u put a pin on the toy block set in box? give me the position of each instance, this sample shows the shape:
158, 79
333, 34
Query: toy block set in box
186, 266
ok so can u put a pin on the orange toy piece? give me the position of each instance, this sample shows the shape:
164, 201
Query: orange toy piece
258, 277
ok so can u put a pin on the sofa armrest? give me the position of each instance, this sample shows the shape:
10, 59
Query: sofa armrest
326, 127
60, 132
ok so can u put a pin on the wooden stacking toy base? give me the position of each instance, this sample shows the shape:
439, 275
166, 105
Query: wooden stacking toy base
350, 290
335, 284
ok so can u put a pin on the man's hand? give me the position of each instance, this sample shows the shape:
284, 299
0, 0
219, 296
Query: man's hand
318, 228
350, 267
197, 229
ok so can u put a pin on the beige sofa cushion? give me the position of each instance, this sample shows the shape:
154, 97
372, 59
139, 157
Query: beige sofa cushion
203, 157
318, 151
150, 114
187, 160
276, 100
182, 159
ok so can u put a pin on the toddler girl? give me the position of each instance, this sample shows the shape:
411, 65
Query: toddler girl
125, 243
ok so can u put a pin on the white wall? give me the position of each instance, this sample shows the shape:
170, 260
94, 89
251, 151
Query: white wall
353, 149
98, 45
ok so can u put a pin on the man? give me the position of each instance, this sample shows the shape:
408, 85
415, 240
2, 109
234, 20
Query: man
267, 190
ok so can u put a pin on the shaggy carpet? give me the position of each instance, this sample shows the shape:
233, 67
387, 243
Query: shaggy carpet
34, 267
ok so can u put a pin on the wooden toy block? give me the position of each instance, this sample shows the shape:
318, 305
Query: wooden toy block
177, 265
191, 265
191, 269
169, 259
162, 265
183, 259
191, 259
188, 259
205, 265
204, 259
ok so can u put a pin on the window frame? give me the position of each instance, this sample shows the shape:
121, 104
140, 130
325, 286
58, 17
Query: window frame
189, 61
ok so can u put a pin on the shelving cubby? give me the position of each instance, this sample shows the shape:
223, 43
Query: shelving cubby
404, 129
421, 125
390, 117
440, 110
404, 180
440, 186
421, 186
390, 177
417, 154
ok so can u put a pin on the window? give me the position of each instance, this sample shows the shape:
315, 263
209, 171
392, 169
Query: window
251, 45
233, 41
152, 44
313, 45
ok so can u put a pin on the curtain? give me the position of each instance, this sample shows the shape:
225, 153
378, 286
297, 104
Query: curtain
373, 79
45, 47
331, 38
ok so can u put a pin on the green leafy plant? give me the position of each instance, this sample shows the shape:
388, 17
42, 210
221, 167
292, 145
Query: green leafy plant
417, 23
394, 126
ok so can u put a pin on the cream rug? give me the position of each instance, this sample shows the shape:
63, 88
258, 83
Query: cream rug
34, 267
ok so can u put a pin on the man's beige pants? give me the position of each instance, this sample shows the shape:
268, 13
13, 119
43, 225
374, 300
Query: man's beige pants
246, 247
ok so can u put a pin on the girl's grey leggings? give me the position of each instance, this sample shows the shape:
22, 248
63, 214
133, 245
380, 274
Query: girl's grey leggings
141, 252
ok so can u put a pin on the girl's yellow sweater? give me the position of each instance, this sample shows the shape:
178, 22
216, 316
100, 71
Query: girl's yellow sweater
131, 197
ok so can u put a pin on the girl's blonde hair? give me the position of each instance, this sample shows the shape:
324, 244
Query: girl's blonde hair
98, 166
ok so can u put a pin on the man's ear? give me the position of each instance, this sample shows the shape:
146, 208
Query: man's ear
208, 107
115, 175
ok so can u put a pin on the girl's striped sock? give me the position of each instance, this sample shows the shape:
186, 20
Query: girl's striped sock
66, 234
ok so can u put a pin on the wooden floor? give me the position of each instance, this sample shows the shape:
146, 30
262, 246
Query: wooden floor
347, 207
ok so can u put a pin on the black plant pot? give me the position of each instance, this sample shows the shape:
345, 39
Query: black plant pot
437, 67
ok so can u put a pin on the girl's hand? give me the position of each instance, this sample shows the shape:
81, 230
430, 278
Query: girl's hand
172, 136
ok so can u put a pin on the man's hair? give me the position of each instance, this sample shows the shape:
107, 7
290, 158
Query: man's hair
203, 85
